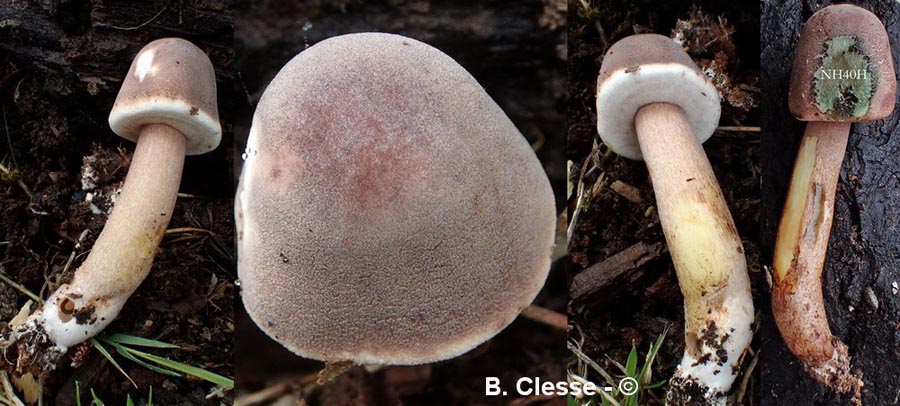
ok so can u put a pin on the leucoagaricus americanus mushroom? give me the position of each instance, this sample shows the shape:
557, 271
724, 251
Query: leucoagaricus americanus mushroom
388, 211
167, 104
842, 73
653, 103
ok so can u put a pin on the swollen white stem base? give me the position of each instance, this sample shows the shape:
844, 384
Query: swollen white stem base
713, 353
68, 318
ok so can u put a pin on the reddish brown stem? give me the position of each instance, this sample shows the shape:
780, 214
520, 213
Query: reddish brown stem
797, 299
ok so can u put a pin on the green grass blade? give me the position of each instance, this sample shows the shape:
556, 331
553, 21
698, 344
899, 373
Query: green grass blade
631, 372
128, 401
96, 401
655, 385
126, 339
111, 360
631, 400
185, 368
77, 394
647, 370
631, 364
608, 399
124, 351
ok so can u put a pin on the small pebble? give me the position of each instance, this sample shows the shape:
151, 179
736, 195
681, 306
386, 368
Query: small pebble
871, 299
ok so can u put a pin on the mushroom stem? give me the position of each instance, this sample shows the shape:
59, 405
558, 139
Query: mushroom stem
706, 251
120, 258
797, 300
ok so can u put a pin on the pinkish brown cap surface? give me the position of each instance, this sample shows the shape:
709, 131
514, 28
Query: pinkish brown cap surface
388, 211
650, 68
171, 82
843, 70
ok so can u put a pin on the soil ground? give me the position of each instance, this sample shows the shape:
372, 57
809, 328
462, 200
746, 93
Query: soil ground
636, 307
61, 65
516, 51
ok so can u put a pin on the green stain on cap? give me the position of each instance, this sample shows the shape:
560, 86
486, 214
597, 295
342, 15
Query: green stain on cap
844, 82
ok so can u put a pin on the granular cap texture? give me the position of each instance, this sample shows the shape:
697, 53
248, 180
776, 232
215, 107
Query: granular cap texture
388, 212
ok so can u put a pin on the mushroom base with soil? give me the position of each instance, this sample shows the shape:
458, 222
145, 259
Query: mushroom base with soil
707, 254
119, 261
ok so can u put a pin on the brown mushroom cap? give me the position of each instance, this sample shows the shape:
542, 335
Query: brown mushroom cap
650, 68
389, 212
171, 82
867, 49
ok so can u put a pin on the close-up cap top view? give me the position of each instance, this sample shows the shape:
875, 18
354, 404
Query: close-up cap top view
392, 218
432, 202
383, 199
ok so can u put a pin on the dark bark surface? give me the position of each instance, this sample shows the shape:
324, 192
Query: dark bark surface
864, 248
61, 65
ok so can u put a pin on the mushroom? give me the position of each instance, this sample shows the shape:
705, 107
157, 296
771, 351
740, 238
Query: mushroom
842, 73
167, 104
653, 103
388, 211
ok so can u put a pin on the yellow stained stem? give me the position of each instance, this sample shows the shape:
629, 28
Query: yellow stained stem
707, 254
791, 223
123, 253
695, 225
